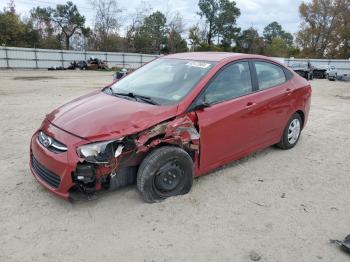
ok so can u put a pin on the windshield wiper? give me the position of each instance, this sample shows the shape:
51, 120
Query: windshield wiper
146, 99
124, 94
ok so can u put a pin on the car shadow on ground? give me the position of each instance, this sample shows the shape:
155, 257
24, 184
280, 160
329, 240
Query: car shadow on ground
133, 195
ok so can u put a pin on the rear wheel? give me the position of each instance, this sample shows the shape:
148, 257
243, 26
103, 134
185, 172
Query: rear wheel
291, 133
165, 172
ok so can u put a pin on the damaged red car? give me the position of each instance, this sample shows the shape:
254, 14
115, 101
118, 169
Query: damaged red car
176, 118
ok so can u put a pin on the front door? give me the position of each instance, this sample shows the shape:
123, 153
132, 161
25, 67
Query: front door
229, 126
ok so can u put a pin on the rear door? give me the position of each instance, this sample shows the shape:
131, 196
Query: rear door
275, 100
228, 127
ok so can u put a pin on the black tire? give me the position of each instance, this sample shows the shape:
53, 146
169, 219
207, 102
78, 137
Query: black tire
166, 171
285, 142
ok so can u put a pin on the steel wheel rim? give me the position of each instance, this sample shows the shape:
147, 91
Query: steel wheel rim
169, 179
294, 131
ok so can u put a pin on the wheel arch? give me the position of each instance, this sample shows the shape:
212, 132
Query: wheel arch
302, 115
164, 143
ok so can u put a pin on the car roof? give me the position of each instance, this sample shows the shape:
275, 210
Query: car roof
211, 56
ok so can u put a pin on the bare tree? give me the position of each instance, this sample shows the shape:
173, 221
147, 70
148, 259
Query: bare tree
322, 25
107, 18
176, 22
175, 41
136, 21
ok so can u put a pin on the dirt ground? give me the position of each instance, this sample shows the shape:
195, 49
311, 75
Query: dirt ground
284, 205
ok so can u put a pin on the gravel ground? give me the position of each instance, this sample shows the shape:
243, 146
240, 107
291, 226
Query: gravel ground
281, 205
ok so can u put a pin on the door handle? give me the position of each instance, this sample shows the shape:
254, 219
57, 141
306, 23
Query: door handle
250, 105
289, 91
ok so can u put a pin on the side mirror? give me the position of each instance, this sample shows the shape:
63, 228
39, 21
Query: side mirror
201, 105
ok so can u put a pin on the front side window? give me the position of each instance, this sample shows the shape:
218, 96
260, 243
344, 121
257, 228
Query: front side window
269, 75
233, 81
165, 81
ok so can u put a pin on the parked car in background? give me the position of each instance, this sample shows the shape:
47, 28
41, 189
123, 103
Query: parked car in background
331, 73
325, 71
320, 71
344, 77
305, 70
96, 64
176, 118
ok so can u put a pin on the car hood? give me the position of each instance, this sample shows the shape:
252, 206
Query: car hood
99, 116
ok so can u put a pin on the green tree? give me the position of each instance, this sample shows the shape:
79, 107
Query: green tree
272, 31
195, 37
175, 43
275, 30
250, 42
152, 35
41, 21
220, 17
67, 20
13, 31
277, 48
132, 30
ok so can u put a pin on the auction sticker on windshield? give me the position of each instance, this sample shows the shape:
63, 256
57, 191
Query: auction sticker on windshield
198, 64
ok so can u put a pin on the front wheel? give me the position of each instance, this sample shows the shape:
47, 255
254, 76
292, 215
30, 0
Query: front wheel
291, 133
165, 172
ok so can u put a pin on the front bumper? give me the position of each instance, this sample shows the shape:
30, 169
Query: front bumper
54, 170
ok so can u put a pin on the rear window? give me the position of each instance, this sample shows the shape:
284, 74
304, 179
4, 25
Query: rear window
269, 75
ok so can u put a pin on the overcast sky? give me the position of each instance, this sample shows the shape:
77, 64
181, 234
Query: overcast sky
257, 13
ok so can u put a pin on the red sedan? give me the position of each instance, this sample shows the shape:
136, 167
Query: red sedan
176, 118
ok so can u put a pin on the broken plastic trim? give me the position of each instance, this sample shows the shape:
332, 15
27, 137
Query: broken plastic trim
100, 152
116, 161
180, 131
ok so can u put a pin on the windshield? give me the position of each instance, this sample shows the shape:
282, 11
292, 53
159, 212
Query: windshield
164, 81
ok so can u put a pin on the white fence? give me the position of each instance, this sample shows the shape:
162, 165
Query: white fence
342, 66
30, 58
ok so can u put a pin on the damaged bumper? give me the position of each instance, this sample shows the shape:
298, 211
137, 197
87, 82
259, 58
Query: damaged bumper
62, 172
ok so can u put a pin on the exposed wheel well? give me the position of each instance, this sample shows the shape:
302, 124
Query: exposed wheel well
301, 113
162, 144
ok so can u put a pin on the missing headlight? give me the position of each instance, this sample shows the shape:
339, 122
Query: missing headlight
100, 152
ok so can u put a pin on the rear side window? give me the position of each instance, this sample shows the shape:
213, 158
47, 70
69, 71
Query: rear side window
269, 75
233, 81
